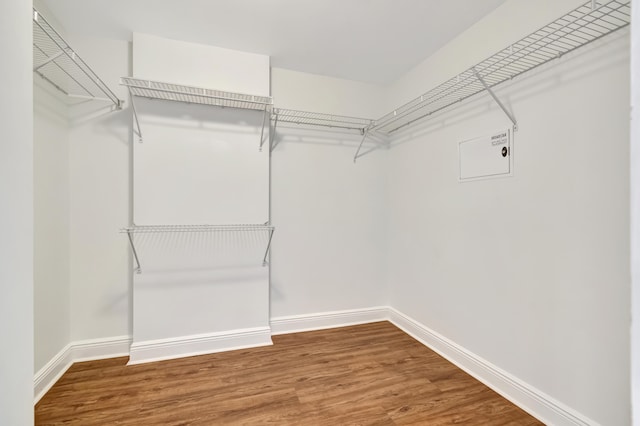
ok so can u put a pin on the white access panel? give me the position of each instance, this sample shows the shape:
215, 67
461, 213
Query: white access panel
486, 157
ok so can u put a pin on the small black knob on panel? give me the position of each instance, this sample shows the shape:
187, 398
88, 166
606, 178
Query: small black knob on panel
505, 151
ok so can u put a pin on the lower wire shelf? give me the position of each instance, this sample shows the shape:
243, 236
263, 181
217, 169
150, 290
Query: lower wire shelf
153, 229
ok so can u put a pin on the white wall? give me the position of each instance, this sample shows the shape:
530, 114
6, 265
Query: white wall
318, 93
52, 298
635, 211
199, 65
16, 224
99, 162
328, 249
529, 272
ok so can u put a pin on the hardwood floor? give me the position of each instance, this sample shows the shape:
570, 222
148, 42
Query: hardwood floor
372, 374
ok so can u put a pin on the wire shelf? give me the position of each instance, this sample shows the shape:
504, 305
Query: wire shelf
153, 229
195, 95
577, 28
56, 62
314, 119
146, 229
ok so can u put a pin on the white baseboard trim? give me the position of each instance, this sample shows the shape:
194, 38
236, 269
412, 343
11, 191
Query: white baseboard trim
159, 350
85, 350
325, 320
51, 372
537, 403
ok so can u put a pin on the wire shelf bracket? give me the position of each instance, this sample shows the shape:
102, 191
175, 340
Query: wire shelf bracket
364, 136
195, 95
58, 64
504, 109
585, 24
153, 229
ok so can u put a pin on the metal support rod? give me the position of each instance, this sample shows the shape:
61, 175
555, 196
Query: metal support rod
266, 253
364, 136
273, 133
135, 115
495, 98
89, 98
135, 254
264, 121
594, 4
51, 58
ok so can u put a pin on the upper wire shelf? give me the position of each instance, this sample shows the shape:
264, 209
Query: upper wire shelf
577, 28
195, 95
314, 119
56, 62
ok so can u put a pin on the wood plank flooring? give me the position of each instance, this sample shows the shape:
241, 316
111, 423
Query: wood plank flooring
372, 374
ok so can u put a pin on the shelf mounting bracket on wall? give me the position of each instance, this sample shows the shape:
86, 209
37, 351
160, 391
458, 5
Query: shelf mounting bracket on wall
264, 123
364, 136
273, 134
138, 269
135, 116
496, 99
266, 252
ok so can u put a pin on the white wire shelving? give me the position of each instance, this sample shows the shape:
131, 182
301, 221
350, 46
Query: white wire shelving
196, 95
157, 229
318, 119
315, 120
581, 26
57, 63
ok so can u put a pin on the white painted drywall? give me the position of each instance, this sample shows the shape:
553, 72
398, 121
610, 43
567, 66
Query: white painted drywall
52, 297
530, 272
318, 93
100, 170
16, 214
635, 211
199, 65
328, 250
199, 165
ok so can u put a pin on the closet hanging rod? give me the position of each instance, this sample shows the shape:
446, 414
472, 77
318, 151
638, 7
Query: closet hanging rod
579, 27
57, 63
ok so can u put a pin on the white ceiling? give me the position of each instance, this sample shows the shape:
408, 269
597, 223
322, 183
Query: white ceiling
367, 40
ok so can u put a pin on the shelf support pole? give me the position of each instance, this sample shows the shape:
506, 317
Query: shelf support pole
135, 115
266, 253
264, 121
495, 98
365, 132
135, 253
